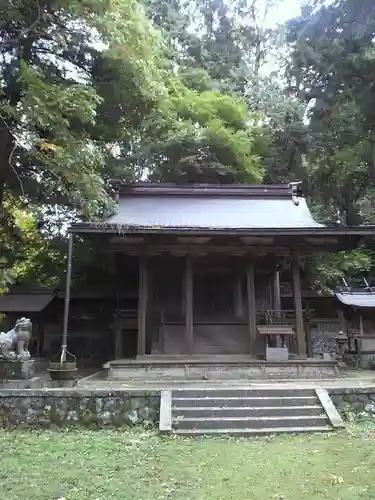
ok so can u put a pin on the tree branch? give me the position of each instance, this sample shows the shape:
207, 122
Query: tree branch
25, 31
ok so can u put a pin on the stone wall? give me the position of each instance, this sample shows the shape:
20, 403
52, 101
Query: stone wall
92, 409
356, 400
365, 360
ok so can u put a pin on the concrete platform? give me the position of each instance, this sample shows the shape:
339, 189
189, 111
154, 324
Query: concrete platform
239, 367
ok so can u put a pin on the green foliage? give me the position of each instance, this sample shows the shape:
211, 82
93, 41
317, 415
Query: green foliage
201, 136
76, 80
93, 90
50, 111
209, 131
27, 255
327, 271
61, 62
222, 46
332, 69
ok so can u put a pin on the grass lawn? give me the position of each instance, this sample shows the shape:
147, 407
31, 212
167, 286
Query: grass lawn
140, 465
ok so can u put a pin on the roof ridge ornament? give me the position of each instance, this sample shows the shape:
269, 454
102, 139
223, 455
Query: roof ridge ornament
296, 191
368, 287
347, 287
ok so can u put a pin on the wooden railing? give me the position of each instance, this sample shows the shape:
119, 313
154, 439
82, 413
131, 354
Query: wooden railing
285, 317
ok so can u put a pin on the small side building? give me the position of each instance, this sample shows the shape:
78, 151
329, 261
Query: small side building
36, 303
358, 322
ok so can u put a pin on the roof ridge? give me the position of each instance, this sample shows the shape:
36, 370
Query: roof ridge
217, 190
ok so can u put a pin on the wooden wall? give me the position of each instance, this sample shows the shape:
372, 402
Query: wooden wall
220, 306
208, 339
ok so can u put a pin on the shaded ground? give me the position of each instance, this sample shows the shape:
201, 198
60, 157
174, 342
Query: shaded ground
140, 465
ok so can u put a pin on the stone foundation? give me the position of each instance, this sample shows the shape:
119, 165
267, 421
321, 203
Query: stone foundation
16, 370
87, 408
102, 408
364, 360
233, 369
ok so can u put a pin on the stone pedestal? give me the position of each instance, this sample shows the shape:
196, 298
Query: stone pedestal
16, 370
277, 354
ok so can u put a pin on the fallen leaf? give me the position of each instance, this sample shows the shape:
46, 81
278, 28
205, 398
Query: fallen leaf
336, 479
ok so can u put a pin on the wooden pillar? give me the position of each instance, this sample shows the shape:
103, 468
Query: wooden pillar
151, 321
238, 298
276, 294
251, 305
183, 292
189, 306
142, 306
360, 325
342, 322
118, 341
301, 337
308, 338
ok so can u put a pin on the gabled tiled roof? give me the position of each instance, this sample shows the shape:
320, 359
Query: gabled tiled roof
357, 299
24, 302
212, 207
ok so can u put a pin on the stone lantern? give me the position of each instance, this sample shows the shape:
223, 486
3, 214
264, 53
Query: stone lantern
341, 345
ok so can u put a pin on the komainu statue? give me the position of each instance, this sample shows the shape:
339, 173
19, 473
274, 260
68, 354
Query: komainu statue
14, 345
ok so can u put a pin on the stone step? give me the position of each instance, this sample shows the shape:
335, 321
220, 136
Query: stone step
229, 402
242, 393
245, 411
249, 422
251, 432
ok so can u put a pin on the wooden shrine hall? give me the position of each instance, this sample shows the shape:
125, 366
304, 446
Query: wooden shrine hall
206, 259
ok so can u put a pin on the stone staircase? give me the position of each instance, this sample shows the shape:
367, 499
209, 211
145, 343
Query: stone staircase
247, 411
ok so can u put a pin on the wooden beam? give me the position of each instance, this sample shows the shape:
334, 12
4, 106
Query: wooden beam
257, 240
142, 305
126, 240
301, 336
189, 305
322, 241
239, 250
251, 305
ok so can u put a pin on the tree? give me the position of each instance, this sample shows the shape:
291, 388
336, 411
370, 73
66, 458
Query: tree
222, 46
28, 255
332, 69
201, 137
76, 77
230, 41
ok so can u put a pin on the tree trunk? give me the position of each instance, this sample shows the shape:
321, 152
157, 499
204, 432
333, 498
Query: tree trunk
2, 186
6, 146
258, 55
372, 139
